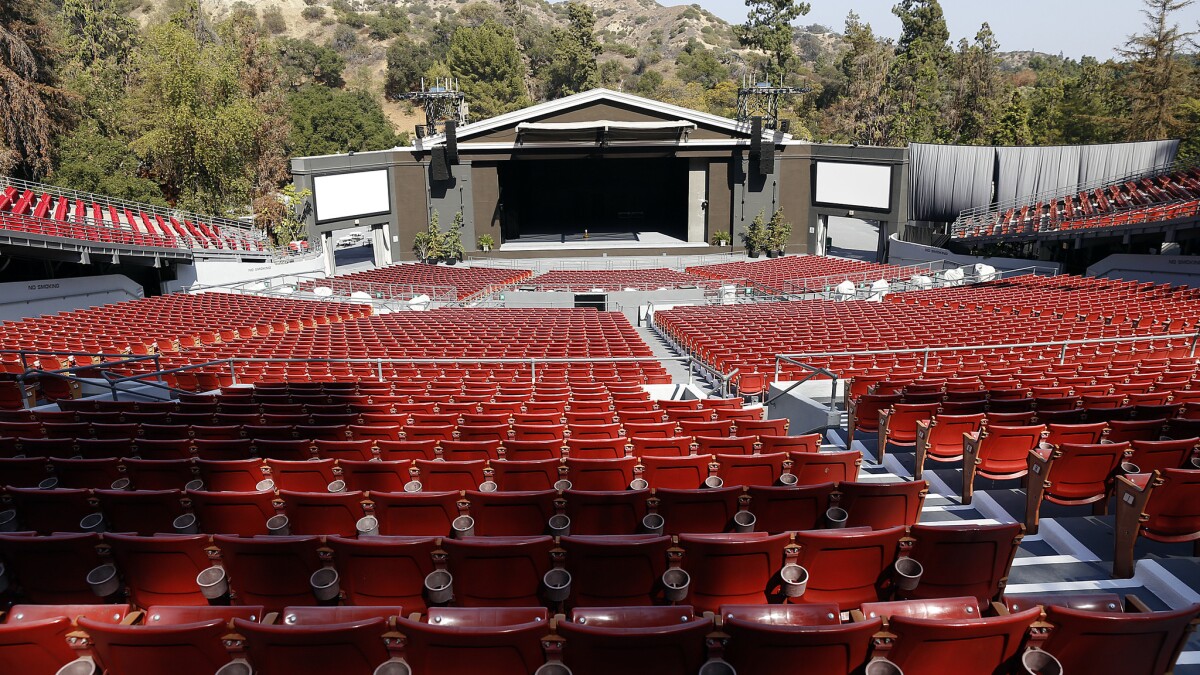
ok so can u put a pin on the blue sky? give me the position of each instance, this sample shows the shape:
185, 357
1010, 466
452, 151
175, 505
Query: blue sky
1072, 27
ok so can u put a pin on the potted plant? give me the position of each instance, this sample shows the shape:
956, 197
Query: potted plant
486, 242
755, 236
452, 245
779, 231
721, 238
428, 244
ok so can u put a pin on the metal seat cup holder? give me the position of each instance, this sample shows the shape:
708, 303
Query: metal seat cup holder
562, 485
676, 582
638, 484
908, 573
835, 517
1038, 662
277, 526
92, 522
336, 486
788, 479
367, 526
103, 580
463, 526
264, 485
186, 524
412, 486
439, 586
213, 583
325, 586
794, 580
653, 523
558, 584
714, 482
743, 521
560, 525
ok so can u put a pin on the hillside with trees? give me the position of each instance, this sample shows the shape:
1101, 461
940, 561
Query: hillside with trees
200, 104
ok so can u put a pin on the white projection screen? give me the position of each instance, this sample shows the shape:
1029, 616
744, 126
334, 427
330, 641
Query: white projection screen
351, 195
856, 186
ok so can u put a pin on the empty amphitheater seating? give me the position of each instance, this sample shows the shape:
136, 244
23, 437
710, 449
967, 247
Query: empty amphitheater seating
403, 282
584, 281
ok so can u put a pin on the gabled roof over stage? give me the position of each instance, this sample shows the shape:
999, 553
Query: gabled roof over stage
600, 116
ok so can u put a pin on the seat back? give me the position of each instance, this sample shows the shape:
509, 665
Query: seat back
1139, 430
732, 568
814, 468
968, 646
1057, 434
962, 560
726, 445
384, 571
903, 418
416, 514
538, 474
848, 566
239, 513
323, 513
664, 446
1173, 509
1004, 449
1083, 471
141, 511
613, 571
676, 472
439, 476
698, 510
788, 509
882, 505
596, 448
524, 513
1131, 643
270, 571
185, 649
161, 570
672, 649
601, 474
450, 648
498, 571
1159, 455
759, 647
751, 469
52, 570
606, 512
385, 476
352, 647
802, 443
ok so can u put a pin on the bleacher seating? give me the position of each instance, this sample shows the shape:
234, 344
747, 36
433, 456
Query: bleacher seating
780, 275
1149, 199
48, 210
410, 280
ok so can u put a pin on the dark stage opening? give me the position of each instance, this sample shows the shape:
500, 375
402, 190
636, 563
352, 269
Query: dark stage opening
612, 199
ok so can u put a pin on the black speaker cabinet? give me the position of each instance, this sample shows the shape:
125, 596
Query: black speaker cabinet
451, 142
439, 168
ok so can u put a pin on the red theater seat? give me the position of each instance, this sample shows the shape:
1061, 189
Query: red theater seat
161, 570
615, 512
416, 514
498, 571
848, 566
322, 513
598, 475
1162, 506
352, 647
539, 474
238, 513
616, 571
183, 649
1112, 643
681, 473
52, 570
270, 571
763, 636
659, 640
882, 505
384, 571
599, 448
998, 452
788, 509
1071, 474
375, 477
510, 514
698, 510
961, 560
751, 469
474, 642
941, 439
142, 512
732, 568
981, 645
814, 468
439, 476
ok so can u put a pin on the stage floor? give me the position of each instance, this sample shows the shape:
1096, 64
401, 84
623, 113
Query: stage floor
596, 241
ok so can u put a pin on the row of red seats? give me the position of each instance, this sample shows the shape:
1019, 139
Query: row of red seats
44, 212
775, 274
410, 280
849, 567
750, 508
1071, 634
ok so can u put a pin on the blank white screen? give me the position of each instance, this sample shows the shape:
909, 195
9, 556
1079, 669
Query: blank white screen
867, 186
346, 195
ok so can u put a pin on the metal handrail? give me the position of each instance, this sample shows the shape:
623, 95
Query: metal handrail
794, 358
122, 204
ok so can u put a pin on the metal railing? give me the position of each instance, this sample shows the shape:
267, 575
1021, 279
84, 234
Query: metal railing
825, 284
122, 204
678, 263
988, 216
796, 359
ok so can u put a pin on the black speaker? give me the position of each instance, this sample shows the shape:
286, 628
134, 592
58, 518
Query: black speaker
439, 169
755, 137
451, 142
420, 131
766, 159
785, 126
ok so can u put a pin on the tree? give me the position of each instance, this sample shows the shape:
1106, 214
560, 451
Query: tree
33, 109
489, 68
1012, 127
273, 21
290, 226
978, 87
768, 28
1091, 104
1159, 79
863, 111
304, 61
97, 30
407, 63
573, 67
91, 161
193, 125
695, 63
917, 79
327, 121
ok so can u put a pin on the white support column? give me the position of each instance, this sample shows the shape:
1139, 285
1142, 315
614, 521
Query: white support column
327, 253
697, 214
381, 246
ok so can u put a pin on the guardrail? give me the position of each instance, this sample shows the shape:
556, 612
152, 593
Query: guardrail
796, 359
542, 265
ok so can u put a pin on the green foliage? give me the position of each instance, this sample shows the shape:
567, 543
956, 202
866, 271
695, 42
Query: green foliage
1012, 127
344, 38
291, 226
573, 67
649, 83
304, 61
768, 28
755, 236
407, 63
313, 13
488, 64
428, 244
486, 241
779, 231
917, 80
451, 240
328, 121
389, 22
697, 64
96, 30
611, 74
92, 162
721, 238
273, 21
1158, 80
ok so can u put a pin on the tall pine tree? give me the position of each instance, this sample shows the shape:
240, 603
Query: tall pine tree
1159, 78
488, 64
917, 81
768, 28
